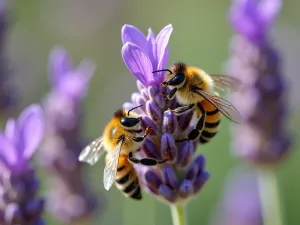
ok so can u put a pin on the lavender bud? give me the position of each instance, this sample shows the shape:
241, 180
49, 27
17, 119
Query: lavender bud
197, 165
184, 121
13, 214
153, 179
148, 122
152, 91
200, 180
186, 188
153, 110
168, 147
150, 149
170, 177
160, 100
170, 122
167, 192
185, 153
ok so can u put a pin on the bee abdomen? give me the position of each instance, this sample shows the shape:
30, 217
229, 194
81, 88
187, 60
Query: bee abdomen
127, 181
212, 122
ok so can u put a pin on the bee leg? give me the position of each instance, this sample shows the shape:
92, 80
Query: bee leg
183, 109
170, 95
141, 138
195, 133
144, 161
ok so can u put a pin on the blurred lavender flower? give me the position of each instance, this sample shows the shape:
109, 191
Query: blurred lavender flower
70, 199
262, 139
241, 202
183, 175
18, 184
7, 95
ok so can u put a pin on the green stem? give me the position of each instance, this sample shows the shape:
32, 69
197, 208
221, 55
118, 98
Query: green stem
178, 214
269, 197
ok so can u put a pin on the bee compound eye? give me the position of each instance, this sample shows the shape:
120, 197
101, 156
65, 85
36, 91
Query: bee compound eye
178, 79
129, 122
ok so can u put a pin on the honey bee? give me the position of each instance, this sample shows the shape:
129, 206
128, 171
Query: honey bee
194, 89
120, 141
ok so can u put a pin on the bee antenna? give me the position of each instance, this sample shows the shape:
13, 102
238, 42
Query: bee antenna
163, 70
133, 109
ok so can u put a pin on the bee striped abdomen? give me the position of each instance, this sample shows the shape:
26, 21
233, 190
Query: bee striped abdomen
212, 121
127, 180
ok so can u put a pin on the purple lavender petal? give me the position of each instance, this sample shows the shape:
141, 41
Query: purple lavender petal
167, 192
197, 165
185, 153
152, 91
137, 62
8, 153
184, 121
186, 188
168, 147
268, 10
131, 34
128, 105
253, 18
201, 179
73, 85
35, 207
151, 150
160, 100
152, 48
140, 85
59, 64
13, 214
162, 41
31, 128
170, 122
136, 98
11, 130
153, 179
146, 121
170, 178
153, 110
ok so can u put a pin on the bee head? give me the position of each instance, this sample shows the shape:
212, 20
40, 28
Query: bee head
131, 122
175, 77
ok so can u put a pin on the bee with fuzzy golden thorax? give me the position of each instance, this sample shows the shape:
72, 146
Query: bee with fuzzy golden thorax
194, 89
120, 139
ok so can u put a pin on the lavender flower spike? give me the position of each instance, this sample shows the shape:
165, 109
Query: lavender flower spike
70, 199
262, 139
184, 174
19, 185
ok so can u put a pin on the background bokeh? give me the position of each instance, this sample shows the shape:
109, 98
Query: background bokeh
201, 37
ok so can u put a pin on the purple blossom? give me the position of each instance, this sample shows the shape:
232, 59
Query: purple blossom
18, 183
183, 175
263, 138
70, 199
253, 18
143, 54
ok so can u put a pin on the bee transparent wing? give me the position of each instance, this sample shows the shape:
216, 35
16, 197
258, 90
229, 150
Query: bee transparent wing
92, 152
226, 83
111, 166
225, 107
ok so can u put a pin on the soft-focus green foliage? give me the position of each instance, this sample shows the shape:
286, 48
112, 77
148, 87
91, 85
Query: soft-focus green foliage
201, 36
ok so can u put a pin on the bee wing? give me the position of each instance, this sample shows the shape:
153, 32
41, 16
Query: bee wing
92, 152
225, 107
226, 83
111, 166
